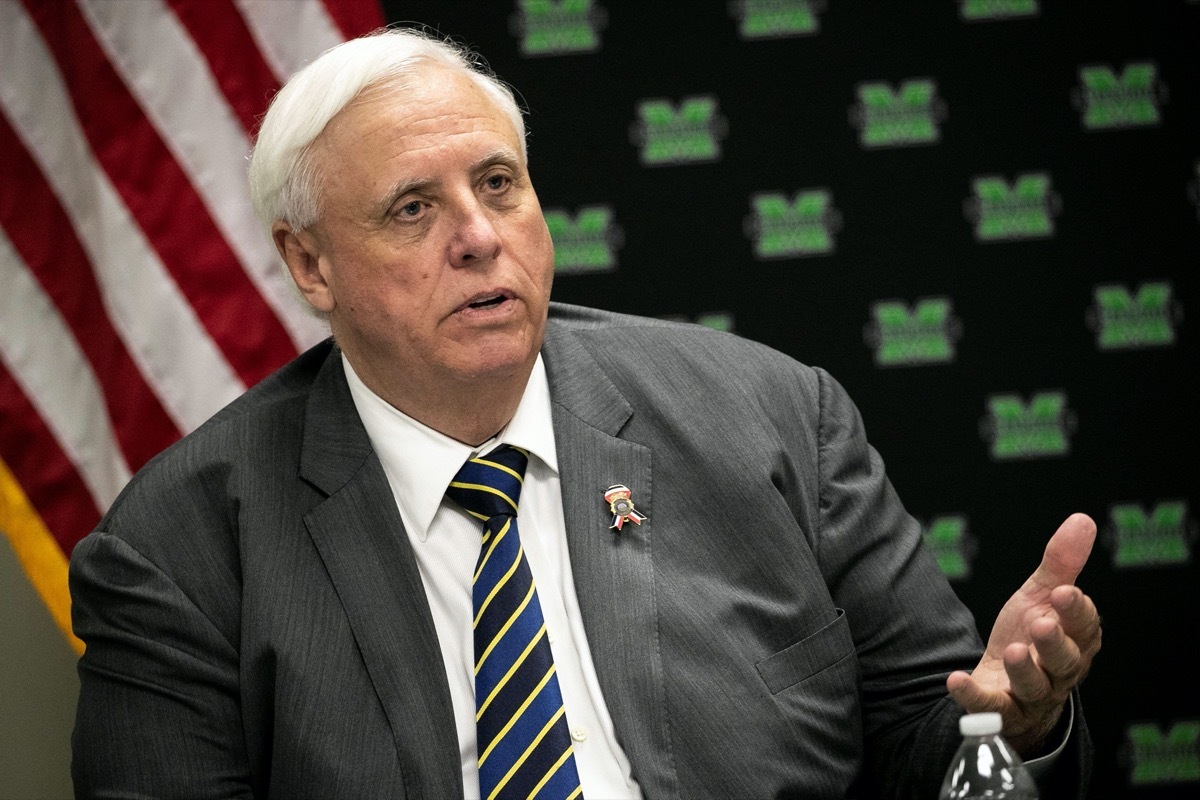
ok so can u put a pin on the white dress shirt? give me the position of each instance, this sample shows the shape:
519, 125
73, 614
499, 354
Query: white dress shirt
419, 463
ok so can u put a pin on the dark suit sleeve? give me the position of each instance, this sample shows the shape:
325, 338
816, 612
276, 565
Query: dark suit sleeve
909, 627
158, 684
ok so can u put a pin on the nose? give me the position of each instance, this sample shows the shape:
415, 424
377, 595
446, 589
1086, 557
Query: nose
475, 238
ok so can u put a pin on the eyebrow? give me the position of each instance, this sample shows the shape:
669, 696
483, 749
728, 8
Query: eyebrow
502, 156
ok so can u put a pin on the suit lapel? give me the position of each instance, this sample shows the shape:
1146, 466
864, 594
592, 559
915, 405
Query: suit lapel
358, 532
613, 571
360, 537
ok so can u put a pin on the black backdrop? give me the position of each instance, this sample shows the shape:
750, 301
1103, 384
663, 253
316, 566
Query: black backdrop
983, 217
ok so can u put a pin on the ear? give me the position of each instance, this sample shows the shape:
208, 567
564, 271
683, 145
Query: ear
302, 253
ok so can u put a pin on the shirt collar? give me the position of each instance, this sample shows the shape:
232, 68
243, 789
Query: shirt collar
420, 462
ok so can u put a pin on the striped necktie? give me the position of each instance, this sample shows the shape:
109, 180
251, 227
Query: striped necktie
525, 748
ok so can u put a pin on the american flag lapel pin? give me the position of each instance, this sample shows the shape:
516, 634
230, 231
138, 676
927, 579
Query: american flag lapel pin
620, 503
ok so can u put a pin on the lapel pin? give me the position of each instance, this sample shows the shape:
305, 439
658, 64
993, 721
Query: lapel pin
620, 503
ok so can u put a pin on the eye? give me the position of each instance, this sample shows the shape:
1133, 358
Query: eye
498, 182
412, 211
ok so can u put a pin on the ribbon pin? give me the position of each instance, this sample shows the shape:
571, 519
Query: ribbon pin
620, 503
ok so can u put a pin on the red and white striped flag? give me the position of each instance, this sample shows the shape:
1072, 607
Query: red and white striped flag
138, 293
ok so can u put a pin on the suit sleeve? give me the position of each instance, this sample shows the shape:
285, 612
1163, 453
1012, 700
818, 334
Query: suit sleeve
158, 703
909, 627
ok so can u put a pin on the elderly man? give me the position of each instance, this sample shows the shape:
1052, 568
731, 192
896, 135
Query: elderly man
479, 544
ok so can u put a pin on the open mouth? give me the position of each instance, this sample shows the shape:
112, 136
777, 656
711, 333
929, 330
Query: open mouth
488, 302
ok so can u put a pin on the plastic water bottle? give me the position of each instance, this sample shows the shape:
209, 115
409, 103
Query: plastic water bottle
985, 766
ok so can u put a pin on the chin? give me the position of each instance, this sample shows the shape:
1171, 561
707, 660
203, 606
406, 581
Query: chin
498, 364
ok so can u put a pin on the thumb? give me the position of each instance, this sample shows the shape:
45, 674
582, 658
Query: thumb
1067, 552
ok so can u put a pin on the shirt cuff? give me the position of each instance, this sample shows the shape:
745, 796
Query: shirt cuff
1042, 765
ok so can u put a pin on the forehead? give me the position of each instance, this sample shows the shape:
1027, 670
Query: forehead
431, 104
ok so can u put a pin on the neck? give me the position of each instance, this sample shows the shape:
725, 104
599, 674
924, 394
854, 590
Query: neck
469, 423
456, 408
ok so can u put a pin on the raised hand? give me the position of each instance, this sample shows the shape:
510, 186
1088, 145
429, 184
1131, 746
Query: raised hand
1041, 646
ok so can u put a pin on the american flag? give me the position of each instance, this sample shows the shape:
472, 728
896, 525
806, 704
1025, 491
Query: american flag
138, 294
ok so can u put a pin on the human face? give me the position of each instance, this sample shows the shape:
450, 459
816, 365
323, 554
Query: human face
431, 255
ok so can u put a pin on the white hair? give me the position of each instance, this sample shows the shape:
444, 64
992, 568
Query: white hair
283, 170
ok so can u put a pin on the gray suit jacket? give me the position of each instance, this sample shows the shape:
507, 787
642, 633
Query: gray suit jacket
256, 625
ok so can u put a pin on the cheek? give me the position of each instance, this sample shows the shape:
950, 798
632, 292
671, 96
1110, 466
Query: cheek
390, 270
540, 250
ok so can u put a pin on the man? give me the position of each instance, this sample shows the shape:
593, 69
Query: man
732, 601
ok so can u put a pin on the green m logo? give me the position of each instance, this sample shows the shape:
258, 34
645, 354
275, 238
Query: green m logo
1158, 759
908, 116
556, 27
585, 243
903, 337
1146, 540
669, 134
773, 19
1124, 322
1004, 212
1109, 101
1019, 430
803, 227
973, 10
948, 540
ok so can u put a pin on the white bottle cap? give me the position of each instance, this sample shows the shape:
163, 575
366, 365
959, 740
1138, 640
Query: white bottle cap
982, 724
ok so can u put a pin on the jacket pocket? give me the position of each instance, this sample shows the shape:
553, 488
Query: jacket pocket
800, 661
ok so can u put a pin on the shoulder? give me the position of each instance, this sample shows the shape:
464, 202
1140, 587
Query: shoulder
663, 353
257, 433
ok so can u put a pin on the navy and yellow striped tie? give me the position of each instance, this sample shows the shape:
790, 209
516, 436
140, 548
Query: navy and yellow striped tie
525, 748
